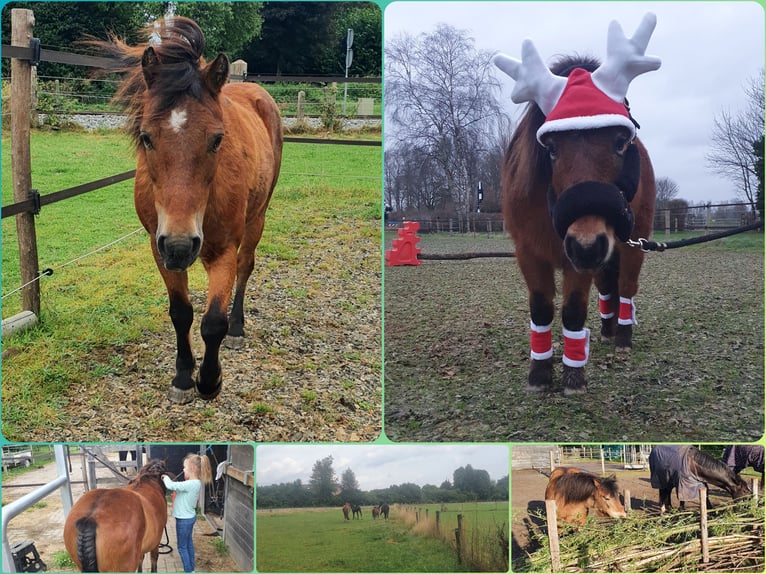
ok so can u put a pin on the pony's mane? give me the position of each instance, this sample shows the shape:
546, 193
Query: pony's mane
178, 43
707, 462
576, 487
533, 118
152, 471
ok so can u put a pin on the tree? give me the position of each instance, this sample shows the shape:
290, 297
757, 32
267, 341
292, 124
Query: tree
228, 26
667, 189
734, 134
323, 482
349, 487
440, 98
474, 481
758, 154
292, 38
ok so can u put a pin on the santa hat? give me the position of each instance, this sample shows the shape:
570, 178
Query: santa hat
583, 100
582, 106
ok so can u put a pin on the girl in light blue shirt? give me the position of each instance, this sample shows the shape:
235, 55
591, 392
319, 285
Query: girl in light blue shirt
196, 472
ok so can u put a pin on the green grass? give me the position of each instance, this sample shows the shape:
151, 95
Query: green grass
116, 297
307, 540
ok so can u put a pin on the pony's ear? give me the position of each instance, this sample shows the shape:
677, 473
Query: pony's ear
217, 73
631, 172
150, 63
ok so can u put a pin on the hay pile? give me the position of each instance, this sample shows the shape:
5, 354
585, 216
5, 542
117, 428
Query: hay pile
669, 543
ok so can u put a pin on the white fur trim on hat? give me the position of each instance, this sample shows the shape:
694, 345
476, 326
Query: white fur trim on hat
586, 123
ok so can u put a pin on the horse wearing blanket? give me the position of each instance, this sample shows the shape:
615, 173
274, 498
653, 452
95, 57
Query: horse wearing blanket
688, 469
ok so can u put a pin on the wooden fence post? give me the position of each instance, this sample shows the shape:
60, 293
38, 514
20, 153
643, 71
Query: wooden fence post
299, 112
626, 496
22, 23
703, 526
459, 538
553, 535
438, 520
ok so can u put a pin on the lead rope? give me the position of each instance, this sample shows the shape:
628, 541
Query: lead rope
646, 245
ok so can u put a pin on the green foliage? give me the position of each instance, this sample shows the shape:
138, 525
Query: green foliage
323, 481
228, 26
62, 560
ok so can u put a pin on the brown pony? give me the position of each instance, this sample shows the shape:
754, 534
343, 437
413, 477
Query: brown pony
346, 510
208, 158
110, 530
576, 492
375, 511
574, 193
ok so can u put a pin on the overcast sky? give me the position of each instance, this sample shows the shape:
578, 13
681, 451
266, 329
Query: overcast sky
709, 50
379, 466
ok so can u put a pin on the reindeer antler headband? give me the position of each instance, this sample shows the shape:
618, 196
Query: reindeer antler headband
583, 100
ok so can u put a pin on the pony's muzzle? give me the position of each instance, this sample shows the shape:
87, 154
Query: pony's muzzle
178, 252
587, 256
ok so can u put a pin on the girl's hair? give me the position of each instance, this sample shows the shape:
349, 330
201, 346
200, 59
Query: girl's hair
201, 466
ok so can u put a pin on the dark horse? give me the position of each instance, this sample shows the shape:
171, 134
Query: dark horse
577, 186
739, 457
576, 492
384, 511
356, 509
208, 158
110, 530
688, 469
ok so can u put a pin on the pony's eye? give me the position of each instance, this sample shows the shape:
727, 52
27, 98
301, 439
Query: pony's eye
552, 150
619, 145
146, 140
215, 142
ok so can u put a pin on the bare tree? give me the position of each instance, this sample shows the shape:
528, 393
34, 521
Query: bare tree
734, 134
440, 100
667, 189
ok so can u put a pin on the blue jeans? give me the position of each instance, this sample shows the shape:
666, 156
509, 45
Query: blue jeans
184, 528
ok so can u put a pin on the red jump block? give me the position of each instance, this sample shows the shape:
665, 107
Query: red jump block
403, 249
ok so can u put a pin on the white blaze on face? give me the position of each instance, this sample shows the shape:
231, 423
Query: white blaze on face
178, 120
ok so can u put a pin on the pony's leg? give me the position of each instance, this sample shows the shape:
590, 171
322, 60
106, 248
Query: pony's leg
576, 337
182, 317
542, 288
631, 260
245, 266
215, 321
608, 297
154, 555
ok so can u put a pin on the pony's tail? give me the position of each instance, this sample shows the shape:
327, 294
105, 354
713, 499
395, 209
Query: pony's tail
86, 544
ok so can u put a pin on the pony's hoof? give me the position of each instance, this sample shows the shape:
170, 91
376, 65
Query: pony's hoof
181, 396
574, 381
210, 391
540, 376
232, 342
623, 350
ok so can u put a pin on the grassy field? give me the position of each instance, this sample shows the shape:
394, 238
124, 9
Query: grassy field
325, 207
457, 337
308, 540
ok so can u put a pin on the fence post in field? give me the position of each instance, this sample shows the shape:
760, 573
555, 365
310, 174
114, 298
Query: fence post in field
755, 489
703, 526
417, 516
603, 468
626, 504
553, 535
22, 23
553, 462
426, 515
301, 101
459, 538
667, 222
438, 520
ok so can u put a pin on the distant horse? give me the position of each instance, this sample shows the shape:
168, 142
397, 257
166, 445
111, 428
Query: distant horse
375, 512
208, 158
110, 530
356, 509
384, 511
739, 457
346, 510
688, 469
576, 492
577, 186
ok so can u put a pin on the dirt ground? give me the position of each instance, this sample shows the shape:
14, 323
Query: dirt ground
43, 523
527, 500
